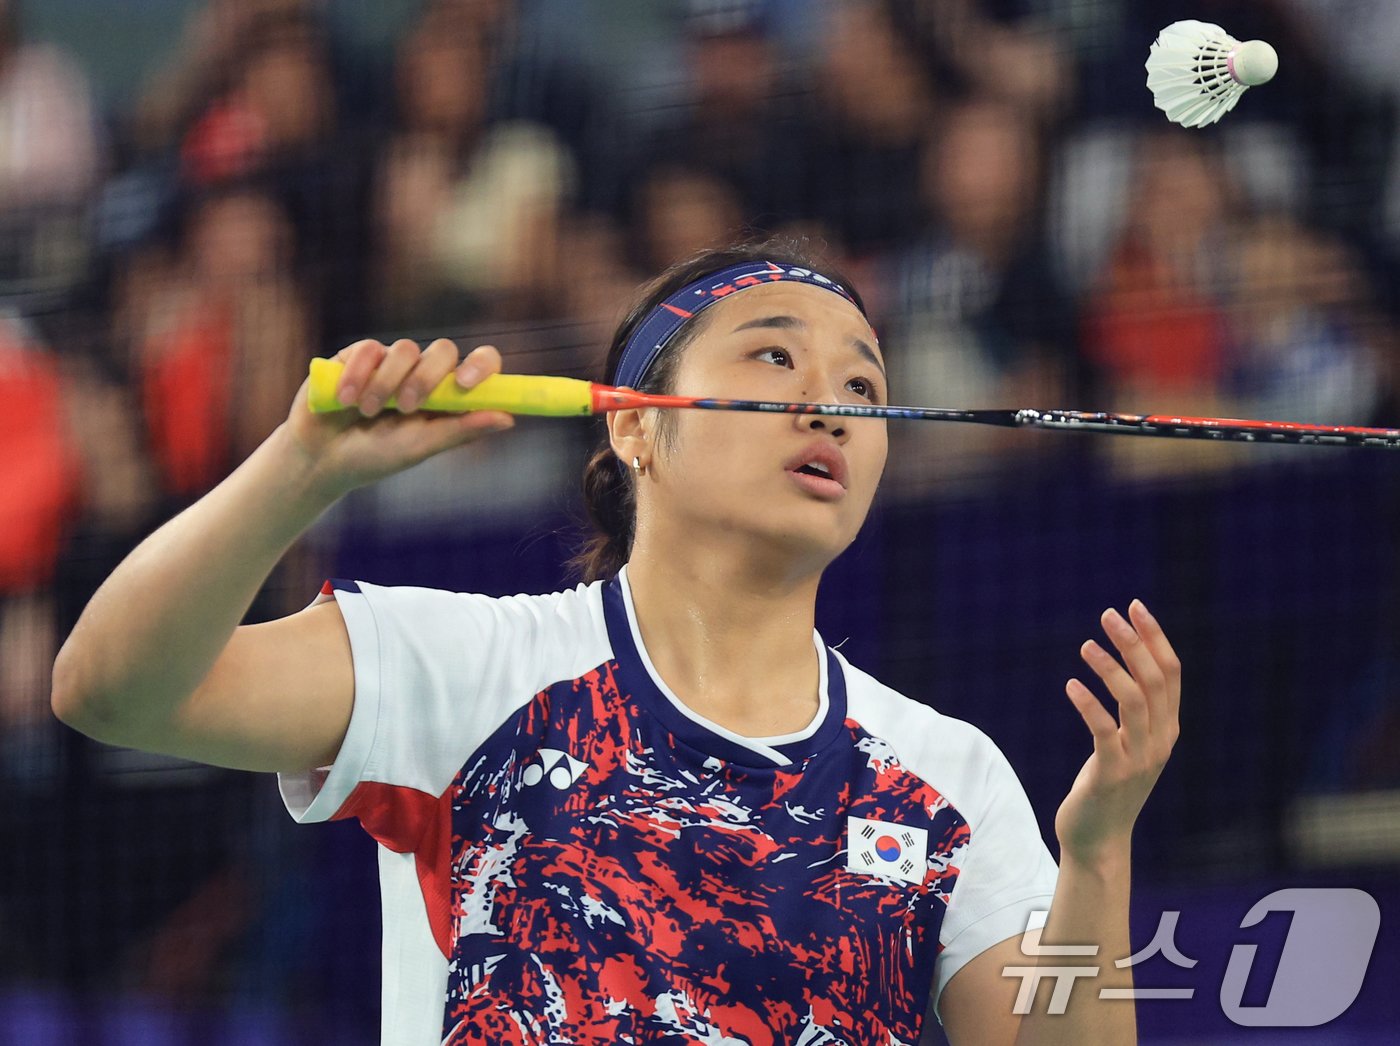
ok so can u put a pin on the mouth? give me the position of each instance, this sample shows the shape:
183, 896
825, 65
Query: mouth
820, 470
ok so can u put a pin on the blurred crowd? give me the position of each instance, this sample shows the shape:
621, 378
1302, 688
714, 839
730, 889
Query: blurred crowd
1026, 228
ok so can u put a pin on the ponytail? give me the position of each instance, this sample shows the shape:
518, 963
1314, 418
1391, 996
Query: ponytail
611, 500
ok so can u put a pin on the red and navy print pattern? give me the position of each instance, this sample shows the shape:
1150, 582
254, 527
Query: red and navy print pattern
612, 879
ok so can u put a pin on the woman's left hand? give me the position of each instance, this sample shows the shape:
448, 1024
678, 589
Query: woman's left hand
1095, 821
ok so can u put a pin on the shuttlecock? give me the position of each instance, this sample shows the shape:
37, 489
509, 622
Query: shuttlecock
1197, 71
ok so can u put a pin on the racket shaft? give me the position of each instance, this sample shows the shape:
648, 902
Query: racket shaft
572, 397
607, 398
1223, 429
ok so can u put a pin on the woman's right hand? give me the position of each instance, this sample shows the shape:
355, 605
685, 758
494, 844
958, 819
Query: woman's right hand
350, 448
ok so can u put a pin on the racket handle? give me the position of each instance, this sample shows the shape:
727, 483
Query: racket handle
513, 393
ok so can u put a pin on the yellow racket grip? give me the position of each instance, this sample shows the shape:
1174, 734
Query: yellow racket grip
542, 396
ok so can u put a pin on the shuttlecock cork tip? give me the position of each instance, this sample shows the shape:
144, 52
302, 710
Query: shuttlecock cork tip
1253, 62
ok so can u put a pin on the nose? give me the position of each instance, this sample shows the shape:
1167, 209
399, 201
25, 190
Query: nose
818, 423
822, 385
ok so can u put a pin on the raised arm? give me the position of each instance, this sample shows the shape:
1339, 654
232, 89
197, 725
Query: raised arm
1094, 825
158, 660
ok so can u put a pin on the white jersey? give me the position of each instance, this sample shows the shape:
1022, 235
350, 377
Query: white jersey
568, 853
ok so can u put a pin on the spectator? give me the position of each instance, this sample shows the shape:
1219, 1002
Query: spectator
51, 156
999, 51
39, 482
593, 284
1298, 350
277, 119
681, 211
743, 123
867, 124
223, 340
467, 211
278, 109
200, 68
72, 466
979, 315
535, 82
50, 152
1155, 318
1155, 327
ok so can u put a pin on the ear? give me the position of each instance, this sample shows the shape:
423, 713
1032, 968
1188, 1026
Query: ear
629, 432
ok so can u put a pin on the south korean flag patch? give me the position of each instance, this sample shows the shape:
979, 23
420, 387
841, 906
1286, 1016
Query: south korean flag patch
883, 848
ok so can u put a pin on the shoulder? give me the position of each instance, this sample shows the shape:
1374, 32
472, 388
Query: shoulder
576, 604
921, 730
523, 625
955, 757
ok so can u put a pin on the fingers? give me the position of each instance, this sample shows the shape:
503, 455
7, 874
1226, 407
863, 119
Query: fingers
403, 372
1148, 689
1097, 718
1132, 705
481, 362
388, 376
443, 432
360, 359
433, 364
1167, 661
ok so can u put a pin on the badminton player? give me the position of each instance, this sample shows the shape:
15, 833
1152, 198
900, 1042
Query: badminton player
655, 807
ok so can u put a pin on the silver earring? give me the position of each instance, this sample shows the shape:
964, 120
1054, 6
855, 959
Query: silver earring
638, 467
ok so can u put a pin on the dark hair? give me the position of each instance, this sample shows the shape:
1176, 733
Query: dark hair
609, 489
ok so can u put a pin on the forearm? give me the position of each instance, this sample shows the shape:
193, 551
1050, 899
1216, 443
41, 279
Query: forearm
1090, 908
154, 629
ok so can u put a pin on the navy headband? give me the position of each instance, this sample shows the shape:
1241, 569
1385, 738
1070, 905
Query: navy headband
661, 324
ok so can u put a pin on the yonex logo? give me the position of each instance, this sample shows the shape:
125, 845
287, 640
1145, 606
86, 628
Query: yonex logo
561, 769
883, 848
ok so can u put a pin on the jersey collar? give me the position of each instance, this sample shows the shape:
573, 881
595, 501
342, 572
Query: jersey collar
639, 677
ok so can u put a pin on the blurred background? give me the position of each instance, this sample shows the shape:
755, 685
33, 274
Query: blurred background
197, 196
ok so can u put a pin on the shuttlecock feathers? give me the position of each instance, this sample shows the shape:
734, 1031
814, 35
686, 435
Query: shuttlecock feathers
1197, 71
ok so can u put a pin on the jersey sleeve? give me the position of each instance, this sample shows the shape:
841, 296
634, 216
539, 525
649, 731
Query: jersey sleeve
436, 673
1007, 878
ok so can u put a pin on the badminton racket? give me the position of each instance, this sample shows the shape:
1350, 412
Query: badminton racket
572, 397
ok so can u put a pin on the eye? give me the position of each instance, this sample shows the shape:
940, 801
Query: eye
863, 387
781, 357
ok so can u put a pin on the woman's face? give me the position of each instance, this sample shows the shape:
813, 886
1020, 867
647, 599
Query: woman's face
757, 475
